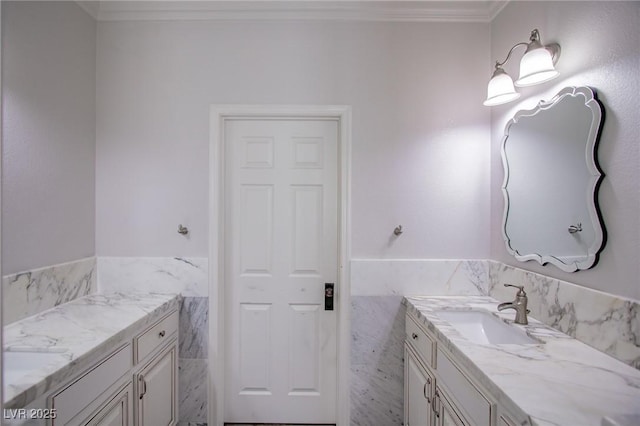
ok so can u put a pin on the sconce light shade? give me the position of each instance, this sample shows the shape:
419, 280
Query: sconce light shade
536, 66
500, 89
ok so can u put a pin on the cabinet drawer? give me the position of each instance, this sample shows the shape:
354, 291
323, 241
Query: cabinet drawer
155, 336
475, 405
420, 341
82, 392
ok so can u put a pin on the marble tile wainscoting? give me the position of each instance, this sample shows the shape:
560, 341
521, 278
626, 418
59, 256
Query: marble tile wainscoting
192, 374
35, 291
377, 334
189, 277
378, 321
608, 323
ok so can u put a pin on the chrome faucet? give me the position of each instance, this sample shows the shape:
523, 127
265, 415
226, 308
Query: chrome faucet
519, 305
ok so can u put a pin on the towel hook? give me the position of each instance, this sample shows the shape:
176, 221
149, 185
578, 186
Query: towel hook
575, 228
183, 230
398, 230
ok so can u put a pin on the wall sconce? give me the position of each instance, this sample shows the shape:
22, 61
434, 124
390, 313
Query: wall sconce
536, 66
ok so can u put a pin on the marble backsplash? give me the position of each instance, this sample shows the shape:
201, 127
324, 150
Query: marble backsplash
31, 292
603, 321
187, 276
424, 277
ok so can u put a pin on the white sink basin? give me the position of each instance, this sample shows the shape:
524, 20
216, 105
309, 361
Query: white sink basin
484, 328
17, 364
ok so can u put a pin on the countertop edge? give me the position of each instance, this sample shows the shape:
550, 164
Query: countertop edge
475, 371
555, 351
83, 362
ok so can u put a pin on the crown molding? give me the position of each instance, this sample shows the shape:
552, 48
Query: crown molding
495, 7
305, 10
91, 7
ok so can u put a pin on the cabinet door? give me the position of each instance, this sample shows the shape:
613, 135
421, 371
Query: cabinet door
157, 395
418, 392
117, 412
446, 413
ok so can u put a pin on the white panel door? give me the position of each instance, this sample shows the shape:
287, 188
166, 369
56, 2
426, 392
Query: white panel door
281, 247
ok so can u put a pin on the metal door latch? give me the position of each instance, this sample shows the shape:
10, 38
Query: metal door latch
328, 296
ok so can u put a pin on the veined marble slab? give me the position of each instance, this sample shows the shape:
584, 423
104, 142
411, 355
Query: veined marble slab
192, 382
187, 276
401, 277
194, 331
604, 321
377, 369
86, 329
30, 292
560, 381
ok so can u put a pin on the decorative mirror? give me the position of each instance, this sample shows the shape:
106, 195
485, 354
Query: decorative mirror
551, 181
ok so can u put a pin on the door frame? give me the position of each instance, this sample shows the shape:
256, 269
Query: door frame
217, 116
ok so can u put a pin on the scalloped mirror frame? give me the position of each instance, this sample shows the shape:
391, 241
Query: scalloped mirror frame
591, 145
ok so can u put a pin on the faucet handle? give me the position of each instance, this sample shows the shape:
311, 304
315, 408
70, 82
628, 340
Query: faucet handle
521, 292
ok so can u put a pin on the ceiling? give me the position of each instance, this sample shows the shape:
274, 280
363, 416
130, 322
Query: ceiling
312, 10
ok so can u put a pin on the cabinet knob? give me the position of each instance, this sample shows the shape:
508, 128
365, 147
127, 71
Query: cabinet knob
414, 336
162, 333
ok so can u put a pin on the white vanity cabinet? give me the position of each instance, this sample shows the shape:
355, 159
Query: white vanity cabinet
135, 385
437, 391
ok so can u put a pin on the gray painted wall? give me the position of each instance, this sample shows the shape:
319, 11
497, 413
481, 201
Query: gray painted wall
48, 152
420, 131
599, 49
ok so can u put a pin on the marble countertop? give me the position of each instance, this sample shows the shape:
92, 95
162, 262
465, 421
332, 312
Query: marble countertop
76, 334
559, 381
